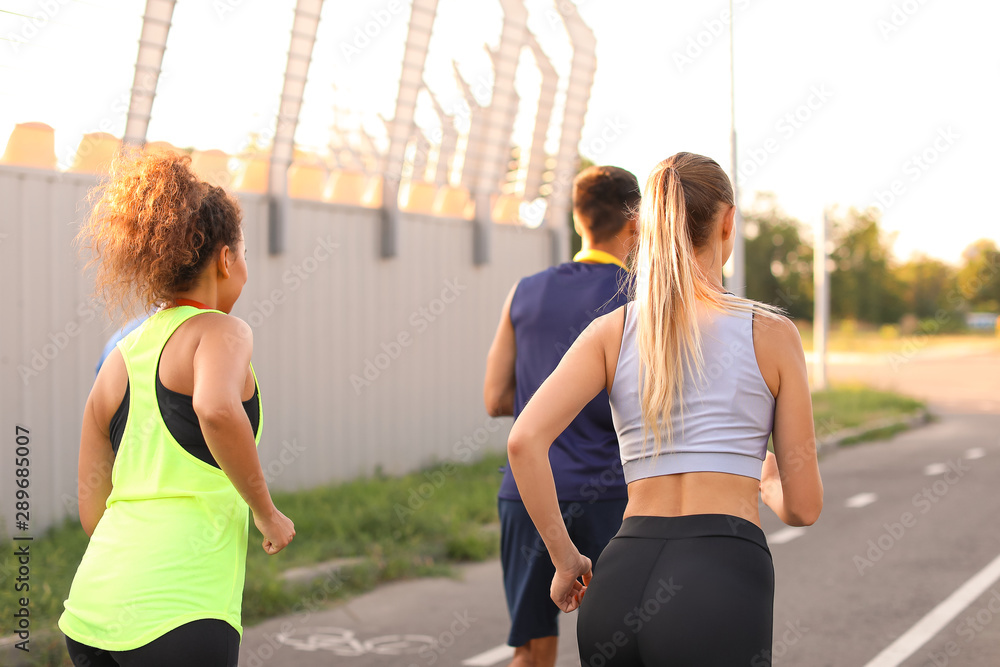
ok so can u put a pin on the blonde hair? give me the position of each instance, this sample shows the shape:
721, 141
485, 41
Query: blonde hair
683, 198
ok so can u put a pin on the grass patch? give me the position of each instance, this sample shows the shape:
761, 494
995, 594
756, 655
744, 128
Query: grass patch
883, 433
854, 406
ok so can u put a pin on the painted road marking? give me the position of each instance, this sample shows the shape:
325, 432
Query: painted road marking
935, 469
786, 535
344, 642
491, 657
938, 618
975, 453
861, 500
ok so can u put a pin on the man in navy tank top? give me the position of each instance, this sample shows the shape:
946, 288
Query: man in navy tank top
542, 316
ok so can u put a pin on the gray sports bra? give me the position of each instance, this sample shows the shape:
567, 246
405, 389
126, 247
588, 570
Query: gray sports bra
728, 414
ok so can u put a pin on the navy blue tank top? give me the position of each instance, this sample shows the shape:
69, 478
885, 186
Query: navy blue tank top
549, 310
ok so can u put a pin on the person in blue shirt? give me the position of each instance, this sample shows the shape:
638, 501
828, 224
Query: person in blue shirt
119, 336
541, 318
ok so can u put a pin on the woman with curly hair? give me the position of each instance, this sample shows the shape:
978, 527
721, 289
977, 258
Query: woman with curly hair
699, 380
168, 459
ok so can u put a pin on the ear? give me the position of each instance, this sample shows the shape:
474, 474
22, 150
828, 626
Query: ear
728, 223
223, 261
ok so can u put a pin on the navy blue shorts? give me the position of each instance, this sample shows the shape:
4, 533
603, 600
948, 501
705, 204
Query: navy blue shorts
528, 570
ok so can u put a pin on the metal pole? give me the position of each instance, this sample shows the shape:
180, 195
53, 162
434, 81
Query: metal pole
303, 37
821, 305
737, 282
401, 128
152, 43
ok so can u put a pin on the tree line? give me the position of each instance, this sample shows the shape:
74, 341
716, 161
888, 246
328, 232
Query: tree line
867, 284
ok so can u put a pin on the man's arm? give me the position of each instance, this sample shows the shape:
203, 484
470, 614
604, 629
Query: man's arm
498, 388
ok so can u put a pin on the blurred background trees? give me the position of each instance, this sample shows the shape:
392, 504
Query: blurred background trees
868, 284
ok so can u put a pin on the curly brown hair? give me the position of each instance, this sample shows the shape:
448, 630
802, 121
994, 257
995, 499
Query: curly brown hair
152, 229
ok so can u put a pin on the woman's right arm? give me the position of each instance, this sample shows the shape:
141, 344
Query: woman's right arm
221, 364
790, 480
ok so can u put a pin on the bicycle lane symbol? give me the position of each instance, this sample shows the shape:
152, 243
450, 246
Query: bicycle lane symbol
344, 642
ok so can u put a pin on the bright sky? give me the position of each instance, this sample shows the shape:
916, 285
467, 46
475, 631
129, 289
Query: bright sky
837, 103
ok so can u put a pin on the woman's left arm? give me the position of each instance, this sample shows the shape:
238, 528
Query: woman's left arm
97, 458
578, 378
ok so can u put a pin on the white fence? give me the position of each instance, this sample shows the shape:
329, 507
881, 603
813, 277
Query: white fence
363, 363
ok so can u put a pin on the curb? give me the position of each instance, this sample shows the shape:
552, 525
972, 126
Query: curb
921, 417
330, 568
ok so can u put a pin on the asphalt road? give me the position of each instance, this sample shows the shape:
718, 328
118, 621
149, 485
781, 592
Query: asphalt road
905, 559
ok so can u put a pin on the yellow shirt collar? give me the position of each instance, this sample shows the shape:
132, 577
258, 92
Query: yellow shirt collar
598, 256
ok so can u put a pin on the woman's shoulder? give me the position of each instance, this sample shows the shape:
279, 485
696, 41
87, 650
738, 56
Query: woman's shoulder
776, 329
220, 328
777, 346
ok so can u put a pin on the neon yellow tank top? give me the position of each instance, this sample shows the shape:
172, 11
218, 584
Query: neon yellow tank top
171, 546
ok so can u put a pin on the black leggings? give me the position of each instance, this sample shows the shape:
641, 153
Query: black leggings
680, 591
204, 643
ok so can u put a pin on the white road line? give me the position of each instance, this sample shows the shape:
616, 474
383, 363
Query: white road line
935, 469
975, 453
938, 618
861, 500
785, 535
491, 657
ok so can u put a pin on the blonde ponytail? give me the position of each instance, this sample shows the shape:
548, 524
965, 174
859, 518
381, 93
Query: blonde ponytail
683, 196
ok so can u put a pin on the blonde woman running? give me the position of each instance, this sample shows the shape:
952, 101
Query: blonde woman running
699, 379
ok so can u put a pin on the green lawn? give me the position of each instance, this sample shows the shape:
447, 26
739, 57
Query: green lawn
852, 407
400, 527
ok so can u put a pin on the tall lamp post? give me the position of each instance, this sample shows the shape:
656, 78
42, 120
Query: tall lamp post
821, 303
737, 281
